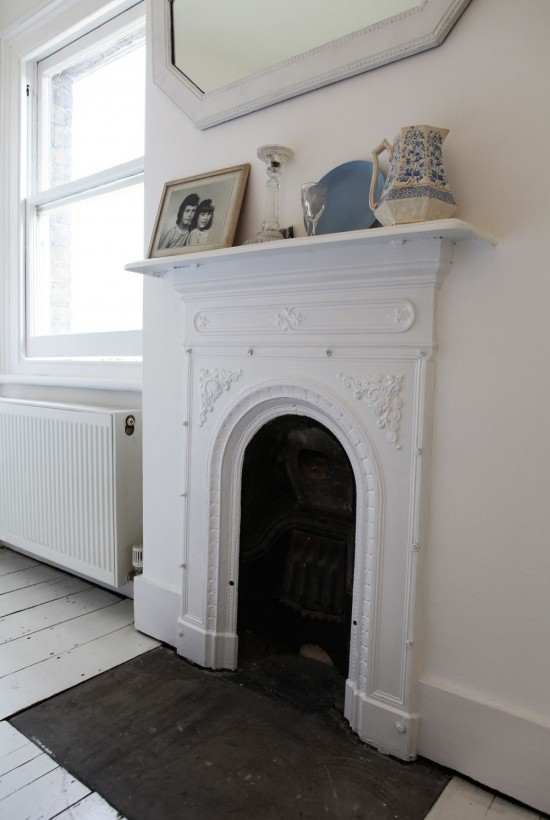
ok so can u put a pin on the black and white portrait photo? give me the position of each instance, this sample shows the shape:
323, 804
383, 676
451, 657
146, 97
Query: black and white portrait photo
199, 213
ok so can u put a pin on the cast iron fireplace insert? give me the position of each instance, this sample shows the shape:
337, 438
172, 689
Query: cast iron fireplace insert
297, 544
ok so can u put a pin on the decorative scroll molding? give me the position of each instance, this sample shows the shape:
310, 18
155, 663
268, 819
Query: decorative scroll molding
383, 395
213, 384
342, 317
404, 315
289, 319
201, 322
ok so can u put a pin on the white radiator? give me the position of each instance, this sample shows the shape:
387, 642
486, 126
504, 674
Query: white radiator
71, 485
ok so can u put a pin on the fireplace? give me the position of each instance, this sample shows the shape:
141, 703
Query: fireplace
297, 544
314, 355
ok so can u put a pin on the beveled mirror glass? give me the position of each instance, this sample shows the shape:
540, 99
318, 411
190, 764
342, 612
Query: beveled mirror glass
219, 42
222, 59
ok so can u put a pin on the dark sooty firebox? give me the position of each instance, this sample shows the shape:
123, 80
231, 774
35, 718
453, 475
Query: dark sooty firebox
297, 543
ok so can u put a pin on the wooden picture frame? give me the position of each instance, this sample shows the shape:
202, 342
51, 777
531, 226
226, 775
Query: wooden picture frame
199, 213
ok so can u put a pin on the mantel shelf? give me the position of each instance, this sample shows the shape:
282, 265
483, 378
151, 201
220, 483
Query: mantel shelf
452, 230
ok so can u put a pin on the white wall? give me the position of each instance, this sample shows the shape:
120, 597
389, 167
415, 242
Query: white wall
13, 10
486, 564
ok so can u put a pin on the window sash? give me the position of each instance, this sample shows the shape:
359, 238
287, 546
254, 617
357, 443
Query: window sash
109, 180
123, 345
113, 344
127, 22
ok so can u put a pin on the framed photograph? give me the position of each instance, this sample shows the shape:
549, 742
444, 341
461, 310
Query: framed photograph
199, 213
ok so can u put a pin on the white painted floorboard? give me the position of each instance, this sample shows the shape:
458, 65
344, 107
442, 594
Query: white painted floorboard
35, 683
11, 562
92, 807
43, 798
15, 749
28, 577
19, 757
463, 800
21, 599
64, 637
57, 631
29, 621
20, 776
40, 789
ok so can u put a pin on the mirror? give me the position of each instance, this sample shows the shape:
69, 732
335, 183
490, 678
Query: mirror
219, 43
225, 58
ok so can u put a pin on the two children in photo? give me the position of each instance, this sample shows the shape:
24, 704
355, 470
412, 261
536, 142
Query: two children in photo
193, 224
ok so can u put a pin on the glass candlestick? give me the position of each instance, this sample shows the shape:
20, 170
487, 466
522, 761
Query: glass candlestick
275, 157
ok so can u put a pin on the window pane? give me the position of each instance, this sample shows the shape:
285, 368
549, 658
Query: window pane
79, 284
93, 111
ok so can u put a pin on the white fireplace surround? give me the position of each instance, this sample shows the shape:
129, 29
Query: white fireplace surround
339, 329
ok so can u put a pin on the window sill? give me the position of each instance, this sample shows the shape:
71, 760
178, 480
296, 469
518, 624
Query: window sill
133, 385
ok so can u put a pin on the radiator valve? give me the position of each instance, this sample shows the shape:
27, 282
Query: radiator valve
137, 559
130, 425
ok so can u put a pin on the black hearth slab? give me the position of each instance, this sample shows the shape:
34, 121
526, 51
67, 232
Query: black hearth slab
160, 739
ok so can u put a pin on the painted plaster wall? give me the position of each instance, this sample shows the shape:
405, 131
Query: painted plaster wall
11, 11
486, 561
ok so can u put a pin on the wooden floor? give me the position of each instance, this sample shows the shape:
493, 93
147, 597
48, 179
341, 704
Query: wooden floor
463, 800
56, 631
34, 787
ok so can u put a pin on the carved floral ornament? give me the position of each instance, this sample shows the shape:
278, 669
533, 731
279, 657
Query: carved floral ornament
383, 395
404, 315
289, 319
213, 384
201, 321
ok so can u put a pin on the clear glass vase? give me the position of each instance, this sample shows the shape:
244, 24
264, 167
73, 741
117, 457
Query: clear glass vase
314, 202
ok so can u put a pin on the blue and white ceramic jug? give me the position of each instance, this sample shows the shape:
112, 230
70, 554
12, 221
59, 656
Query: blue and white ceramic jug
416, 188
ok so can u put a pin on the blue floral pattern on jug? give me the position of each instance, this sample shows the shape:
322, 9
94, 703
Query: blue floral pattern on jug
416, 176
413, 166
417, 159
435, 155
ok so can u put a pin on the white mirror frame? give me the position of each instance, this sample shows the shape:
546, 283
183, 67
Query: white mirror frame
423, 27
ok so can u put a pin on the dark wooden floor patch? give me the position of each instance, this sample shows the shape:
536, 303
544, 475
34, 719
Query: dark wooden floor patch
160, 739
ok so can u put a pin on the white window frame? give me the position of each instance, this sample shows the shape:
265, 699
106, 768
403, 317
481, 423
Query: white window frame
22, 47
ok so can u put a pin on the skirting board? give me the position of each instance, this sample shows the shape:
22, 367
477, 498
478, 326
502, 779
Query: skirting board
156, 610
505, 751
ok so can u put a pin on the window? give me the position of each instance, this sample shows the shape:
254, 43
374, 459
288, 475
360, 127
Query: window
85, 214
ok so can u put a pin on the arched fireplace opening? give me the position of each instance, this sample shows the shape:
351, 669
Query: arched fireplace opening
296, 552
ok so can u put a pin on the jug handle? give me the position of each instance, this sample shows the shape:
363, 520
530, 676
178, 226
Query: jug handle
384, 146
